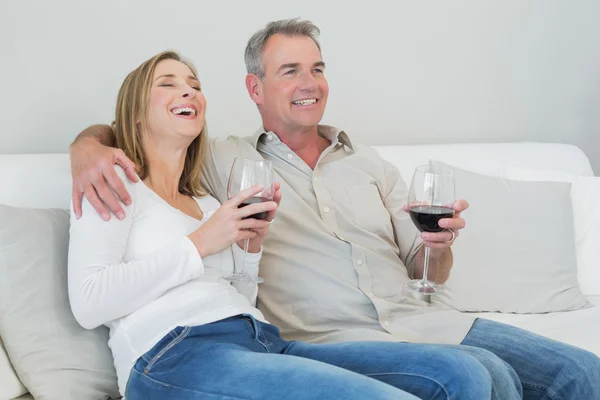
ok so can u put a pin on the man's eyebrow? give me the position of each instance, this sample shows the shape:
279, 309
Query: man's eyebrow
192, 77
288, 65
296, 65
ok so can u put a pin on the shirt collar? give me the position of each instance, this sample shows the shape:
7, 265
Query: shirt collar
334, 135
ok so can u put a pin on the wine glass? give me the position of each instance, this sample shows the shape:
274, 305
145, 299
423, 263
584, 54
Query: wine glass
430, 199
244, 174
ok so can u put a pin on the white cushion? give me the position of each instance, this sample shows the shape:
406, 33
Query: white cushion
505, 260
585, 196
579, 328
54, 356
25, 397
10, 385
489, 158
52, 175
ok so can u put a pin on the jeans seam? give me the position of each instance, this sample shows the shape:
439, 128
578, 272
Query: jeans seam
417, 375
541, 389
224, 396
172, 343
267, 345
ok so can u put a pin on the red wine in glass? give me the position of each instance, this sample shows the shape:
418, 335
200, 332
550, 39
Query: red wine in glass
430, 198
244, 174
426, 218
254, 200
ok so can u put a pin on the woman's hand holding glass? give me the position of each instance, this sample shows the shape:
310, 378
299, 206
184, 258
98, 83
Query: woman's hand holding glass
230, 224
255, 243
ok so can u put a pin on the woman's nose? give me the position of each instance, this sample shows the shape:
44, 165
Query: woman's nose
188, 93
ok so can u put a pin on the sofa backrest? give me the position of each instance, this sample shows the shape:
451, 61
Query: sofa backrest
44, 180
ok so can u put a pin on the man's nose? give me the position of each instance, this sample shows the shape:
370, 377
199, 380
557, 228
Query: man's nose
308, 82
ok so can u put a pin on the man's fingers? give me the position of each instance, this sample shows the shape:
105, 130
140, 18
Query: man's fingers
452, 223
118, 186
439, 237
437, 245
92, 197
109, 198
460, 205
77, 198
128, 165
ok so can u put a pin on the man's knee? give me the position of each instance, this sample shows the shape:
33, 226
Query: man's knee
583, 368
461, 376
505, 380
474, 378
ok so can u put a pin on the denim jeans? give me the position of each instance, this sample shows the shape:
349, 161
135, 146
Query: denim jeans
241, 358
547, 369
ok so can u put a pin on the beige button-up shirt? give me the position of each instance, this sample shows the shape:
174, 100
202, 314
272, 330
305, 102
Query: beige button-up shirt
334, 262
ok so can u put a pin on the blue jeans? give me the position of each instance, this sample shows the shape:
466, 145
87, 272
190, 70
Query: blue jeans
547, 369
241, 358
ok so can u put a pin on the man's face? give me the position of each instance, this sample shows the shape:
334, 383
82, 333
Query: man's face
293, 94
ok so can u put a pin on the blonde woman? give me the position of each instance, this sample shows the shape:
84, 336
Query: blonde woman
178, 330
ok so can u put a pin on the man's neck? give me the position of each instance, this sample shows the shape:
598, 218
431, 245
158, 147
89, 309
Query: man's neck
307, 144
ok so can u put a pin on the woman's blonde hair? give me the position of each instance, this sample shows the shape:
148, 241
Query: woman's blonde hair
131, 116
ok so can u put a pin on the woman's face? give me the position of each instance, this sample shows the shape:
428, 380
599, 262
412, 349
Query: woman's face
177, 105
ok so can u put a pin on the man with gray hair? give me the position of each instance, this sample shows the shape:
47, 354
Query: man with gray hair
342, 248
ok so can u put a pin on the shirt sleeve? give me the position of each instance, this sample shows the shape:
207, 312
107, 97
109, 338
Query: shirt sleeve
102, 287
395, 197
216, 165
252, 260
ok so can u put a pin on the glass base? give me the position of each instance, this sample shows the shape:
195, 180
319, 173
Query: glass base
424, 286
244, 277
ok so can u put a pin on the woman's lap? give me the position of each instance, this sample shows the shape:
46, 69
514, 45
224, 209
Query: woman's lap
190, 365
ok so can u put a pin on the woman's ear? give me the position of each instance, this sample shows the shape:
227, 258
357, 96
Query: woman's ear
254, 87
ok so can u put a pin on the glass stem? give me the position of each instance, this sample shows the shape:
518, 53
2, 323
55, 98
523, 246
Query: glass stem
426, 263
243, 269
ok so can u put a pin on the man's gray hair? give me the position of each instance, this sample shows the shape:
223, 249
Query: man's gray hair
288, 27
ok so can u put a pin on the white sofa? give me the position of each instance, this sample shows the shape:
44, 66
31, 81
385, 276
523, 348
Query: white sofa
43, 181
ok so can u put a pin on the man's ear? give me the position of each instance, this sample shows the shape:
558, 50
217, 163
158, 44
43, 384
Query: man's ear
254, 87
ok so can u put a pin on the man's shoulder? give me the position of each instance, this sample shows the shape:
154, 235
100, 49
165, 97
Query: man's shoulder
232, 142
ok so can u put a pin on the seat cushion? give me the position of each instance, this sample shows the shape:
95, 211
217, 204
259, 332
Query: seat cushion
579, 328
52, 354
10, 385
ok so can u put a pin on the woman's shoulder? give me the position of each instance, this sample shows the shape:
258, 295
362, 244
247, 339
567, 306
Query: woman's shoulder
128, 183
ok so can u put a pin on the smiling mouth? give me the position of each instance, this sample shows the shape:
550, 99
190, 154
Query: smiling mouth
304, 102
187, 111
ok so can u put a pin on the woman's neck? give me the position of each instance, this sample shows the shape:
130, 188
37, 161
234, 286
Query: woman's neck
164, 172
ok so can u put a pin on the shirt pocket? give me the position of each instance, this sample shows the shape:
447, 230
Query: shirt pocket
368, 208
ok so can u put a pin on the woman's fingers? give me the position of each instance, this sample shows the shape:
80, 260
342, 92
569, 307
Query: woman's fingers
256, 208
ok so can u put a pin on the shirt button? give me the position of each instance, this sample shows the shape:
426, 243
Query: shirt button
326, 209
386, 323
269, 137
290, 156
359, 262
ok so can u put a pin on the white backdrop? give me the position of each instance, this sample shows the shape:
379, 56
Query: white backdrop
400, 71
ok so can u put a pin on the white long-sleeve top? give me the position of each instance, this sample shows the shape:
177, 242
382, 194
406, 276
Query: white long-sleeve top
142, 277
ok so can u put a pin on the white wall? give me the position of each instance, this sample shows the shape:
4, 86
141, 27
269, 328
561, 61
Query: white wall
400, 71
